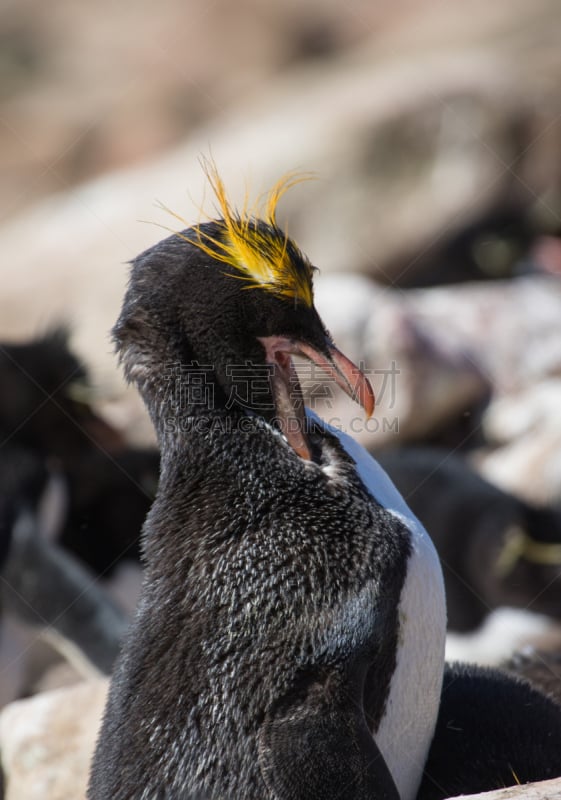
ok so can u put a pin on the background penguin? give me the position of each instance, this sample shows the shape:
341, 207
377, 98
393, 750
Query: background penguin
42, 586
496, 549
43, 404
289, 640
47, 418
493, 730
72, 499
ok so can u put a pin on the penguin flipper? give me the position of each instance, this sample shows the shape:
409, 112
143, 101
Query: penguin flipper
313, 750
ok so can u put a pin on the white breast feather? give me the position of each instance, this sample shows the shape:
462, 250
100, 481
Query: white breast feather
407, 727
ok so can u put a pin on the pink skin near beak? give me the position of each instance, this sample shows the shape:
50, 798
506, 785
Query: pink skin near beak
286, 388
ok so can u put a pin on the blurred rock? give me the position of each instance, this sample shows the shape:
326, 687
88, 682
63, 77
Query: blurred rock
427, 126
504, 631
546, 790
424, 380
512, 329
164, 70
455, 348
524, 430
46, 742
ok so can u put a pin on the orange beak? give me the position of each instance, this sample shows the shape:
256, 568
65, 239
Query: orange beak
287, 392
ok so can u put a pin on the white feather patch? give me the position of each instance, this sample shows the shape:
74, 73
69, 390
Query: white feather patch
407, 727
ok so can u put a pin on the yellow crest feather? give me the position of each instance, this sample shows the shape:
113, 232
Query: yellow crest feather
251, 242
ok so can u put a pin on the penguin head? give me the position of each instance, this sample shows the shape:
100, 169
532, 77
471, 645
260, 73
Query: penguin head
217, 311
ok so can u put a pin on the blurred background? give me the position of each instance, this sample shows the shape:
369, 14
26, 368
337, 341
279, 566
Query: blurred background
434, 132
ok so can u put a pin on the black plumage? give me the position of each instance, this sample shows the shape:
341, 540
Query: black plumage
41, 405
242, 627
493, 730
47, 420
71, 492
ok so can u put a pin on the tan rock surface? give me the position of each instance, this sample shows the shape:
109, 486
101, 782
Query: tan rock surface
410, 134
46, 742
546, 790
451, 345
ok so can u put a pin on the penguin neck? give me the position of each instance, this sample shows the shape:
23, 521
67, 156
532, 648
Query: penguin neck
188, 397
198, 434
